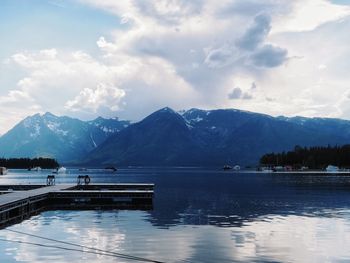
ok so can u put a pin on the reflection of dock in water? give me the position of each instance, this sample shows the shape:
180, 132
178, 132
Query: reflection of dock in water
18, 202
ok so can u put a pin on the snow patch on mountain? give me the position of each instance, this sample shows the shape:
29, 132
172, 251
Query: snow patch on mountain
35, 131
108, 130
55, 127
30, 122
189, 126
93, 141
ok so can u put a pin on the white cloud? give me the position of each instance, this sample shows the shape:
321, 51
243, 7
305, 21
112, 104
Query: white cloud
269, 56
15, 96
256, 33
53, 78
92, 99
186, 54
309, 14
59, 76
79, 85
220, 57
236, 93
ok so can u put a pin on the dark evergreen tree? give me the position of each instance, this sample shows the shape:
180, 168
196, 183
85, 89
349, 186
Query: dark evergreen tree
27, 163
313, 157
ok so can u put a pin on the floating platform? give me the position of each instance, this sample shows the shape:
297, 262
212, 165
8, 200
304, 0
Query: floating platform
19, 202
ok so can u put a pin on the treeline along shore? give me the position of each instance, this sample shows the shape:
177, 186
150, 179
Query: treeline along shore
27, 163
313, 157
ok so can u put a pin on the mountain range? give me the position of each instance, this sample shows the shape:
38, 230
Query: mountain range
62, 138
168, 138
212, 138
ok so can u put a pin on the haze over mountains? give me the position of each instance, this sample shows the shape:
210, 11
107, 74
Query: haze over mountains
168, 138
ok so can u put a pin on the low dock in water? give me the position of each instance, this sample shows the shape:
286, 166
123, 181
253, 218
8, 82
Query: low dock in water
19, 202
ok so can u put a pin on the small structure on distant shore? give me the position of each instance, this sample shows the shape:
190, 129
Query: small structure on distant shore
332, 169
111, 168
3, 170
61, 170
227, 167
35, 169
236, 167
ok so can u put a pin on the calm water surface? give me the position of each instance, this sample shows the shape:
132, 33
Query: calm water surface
198, 216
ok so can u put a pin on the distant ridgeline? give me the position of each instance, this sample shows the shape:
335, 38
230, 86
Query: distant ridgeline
25, 163
313, 157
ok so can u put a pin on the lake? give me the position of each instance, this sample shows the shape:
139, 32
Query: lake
198, 216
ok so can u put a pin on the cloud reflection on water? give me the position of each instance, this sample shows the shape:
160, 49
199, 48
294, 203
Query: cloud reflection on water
270, 238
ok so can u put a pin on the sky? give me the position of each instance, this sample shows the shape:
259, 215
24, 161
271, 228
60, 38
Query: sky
128, 58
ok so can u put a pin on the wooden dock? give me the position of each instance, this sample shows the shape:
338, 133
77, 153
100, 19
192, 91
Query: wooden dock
18, 202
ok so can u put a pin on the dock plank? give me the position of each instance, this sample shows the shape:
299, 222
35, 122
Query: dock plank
17, 196
20, 204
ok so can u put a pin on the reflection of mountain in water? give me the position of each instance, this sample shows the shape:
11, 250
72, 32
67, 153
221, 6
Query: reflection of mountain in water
228, 199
